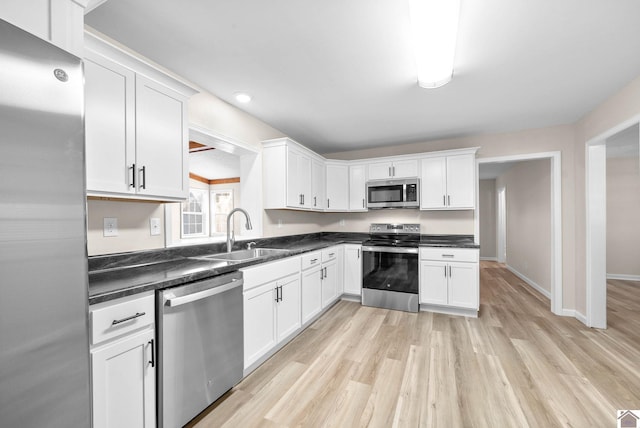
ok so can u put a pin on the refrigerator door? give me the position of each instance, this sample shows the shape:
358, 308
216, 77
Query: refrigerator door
44, 350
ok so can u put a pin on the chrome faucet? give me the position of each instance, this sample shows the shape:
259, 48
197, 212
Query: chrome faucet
230, 235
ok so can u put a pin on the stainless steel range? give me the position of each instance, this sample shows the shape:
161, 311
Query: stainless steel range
390, 267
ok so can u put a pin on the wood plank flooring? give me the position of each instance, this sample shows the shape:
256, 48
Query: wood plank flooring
517, 365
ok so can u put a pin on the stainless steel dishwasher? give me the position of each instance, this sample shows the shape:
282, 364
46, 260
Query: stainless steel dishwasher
200, 343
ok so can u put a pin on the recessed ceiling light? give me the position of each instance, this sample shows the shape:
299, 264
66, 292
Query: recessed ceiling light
242, 97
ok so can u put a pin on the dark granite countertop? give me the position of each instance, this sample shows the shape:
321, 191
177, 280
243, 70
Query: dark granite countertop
118, 275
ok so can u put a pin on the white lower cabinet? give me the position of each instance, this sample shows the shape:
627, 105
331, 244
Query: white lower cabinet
352, 280
329, 276
272, 306
123, 380
449, 278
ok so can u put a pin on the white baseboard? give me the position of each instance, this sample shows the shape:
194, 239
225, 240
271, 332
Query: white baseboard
575, 314
623, 277
532, 283
490, 259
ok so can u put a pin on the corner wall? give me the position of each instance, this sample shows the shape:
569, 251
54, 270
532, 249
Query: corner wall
488, 219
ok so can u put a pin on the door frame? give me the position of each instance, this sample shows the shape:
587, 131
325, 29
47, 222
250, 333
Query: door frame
596, 224
556, 218
501, 224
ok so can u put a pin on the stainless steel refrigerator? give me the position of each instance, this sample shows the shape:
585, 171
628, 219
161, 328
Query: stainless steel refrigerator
44, 350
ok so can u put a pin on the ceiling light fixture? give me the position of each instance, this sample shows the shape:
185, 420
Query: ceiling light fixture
242, 97
434, 29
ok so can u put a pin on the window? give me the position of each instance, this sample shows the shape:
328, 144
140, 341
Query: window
221, 206
194, 212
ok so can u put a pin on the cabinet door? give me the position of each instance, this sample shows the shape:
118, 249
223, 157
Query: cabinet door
298, 179
380, 170
329, 283
433, 191
259, 322
288, 308
352, 270
463, 285
340, 272
433, 282
123, 382
337, 187
461, 186
357, 187
109, 125
311, 293
318, 180
405, 168
161, 141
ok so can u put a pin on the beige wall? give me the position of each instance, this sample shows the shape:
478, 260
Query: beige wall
623, 215
488, 218
133, 226
287, 222
528, 195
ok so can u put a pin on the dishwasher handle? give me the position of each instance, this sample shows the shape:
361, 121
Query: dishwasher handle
173, 301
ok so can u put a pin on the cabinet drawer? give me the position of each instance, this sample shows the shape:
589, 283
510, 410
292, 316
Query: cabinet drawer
450, 254
271, 271
311, 259
113, 319
329, 254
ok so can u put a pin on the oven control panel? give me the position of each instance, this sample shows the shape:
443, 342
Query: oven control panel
391, 228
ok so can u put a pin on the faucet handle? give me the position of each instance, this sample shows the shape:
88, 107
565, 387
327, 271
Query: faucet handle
250, 244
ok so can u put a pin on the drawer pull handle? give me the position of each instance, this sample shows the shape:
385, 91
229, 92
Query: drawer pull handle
314, 260
137, 315
447, 255
332, 254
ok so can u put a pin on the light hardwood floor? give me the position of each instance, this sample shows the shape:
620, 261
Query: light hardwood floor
517, 365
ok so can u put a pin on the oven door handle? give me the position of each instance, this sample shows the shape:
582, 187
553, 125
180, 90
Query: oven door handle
401, 250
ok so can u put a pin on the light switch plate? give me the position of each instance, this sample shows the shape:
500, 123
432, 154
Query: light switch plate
110, 226
154, 226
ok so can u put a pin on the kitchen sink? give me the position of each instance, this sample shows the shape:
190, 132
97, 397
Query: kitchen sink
243, 255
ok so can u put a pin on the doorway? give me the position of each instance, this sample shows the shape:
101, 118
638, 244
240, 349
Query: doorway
555, 257
625, 137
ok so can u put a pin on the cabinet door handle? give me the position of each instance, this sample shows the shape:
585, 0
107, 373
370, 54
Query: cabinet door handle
393, 169
325, 272
449, 271
277, 294
303, 199
120, 321
153, 359
445, 271
328, 204
444, 200
358, 252
143, 170
314, 201
449, 200
390, 172
321, 274
132, 183
362, 202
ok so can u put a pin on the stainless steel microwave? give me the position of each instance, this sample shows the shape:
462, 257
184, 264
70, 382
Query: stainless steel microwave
393, 193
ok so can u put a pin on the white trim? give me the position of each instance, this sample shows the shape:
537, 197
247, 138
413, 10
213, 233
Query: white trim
530, 282
489, 259
220, 141
623, 277
595, 191
575, 314
556, 217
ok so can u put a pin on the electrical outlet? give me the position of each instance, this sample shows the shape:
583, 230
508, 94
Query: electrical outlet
154, 226
110, 226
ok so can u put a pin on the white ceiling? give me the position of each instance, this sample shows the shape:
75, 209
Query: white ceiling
338, 75
214, 164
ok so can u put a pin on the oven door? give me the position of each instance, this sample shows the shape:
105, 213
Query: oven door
390, 278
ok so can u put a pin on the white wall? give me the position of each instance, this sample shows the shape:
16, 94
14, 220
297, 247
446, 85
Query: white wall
623, 217
488, 218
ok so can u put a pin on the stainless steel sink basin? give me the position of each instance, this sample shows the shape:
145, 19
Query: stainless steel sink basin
243, 255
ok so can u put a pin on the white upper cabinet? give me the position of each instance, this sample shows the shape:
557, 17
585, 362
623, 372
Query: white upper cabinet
393, 169
136, 127
318, 185
292, 176
448, 182
357, 187
337, 186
